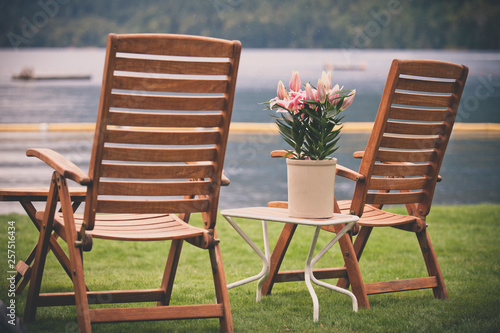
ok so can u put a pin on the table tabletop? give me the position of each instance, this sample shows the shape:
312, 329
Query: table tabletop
281, 215
39, 193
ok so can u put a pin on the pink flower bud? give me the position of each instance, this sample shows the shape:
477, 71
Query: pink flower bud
333, 96
327, 80
295, 81
321, 91
310, 95
282, 94
348, 100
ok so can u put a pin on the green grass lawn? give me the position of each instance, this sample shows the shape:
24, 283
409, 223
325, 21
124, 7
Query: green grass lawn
466, 240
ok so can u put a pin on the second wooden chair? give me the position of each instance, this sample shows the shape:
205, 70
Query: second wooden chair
404, 154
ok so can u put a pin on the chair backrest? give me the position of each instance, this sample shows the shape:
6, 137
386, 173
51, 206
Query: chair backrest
162, 126
410, 134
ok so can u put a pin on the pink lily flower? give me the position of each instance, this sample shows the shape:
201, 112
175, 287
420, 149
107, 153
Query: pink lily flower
295, 103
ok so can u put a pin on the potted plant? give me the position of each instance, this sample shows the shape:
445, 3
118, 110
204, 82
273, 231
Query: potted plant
309, 121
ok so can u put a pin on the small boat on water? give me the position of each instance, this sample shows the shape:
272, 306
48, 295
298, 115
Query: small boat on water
345, 66
28, 74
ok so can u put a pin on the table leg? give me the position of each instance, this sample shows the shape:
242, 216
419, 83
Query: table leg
264, 256
309, 275
277, 256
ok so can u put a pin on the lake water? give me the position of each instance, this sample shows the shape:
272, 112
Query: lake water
470, 170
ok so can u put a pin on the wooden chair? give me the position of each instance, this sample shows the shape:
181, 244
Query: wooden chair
404, 154
159, 147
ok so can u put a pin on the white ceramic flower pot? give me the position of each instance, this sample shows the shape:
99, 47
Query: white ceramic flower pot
311, 186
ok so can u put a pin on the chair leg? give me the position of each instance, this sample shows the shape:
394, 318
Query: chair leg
167, 283
361, 240
278, 255
221, 292
41, 253
359, 245
81, 300
432, 264
353, 271
75, 258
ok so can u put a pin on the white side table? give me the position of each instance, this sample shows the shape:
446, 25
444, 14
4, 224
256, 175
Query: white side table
281, 215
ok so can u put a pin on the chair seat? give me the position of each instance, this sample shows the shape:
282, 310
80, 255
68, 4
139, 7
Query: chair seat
134, 227
374, 217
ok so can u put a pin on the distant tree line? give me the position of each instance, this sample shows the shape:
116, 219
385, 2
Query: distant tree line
423, 24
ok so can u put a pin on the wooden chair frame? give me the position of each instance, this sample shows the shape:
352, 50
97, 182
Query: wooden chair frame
404, 154
162, 129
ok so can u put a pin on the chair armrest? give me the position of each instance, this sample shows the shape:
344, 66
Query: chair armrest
279, 153
358, 154
60, 164
224, 180
278, 204
349, 174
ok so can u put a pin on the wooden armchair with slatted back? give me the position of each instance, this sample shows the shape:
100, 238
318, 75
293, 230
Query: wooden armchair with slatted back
159, 147
400, 165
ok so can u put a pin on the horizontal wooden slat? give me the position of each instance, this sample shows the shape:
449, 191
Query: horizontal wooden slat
408, 142
426, 85
405, 170
156, 313
152, 206
142, 171
397, 183
107, 187
170, 85
417, 114
404, 155
180, 103
422, 99
159, 154
401, 285
121, 118
172, 67
319, 273
430, 68
414, 128
394, 198
101, 297
175, 45
162, 137
23, 268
